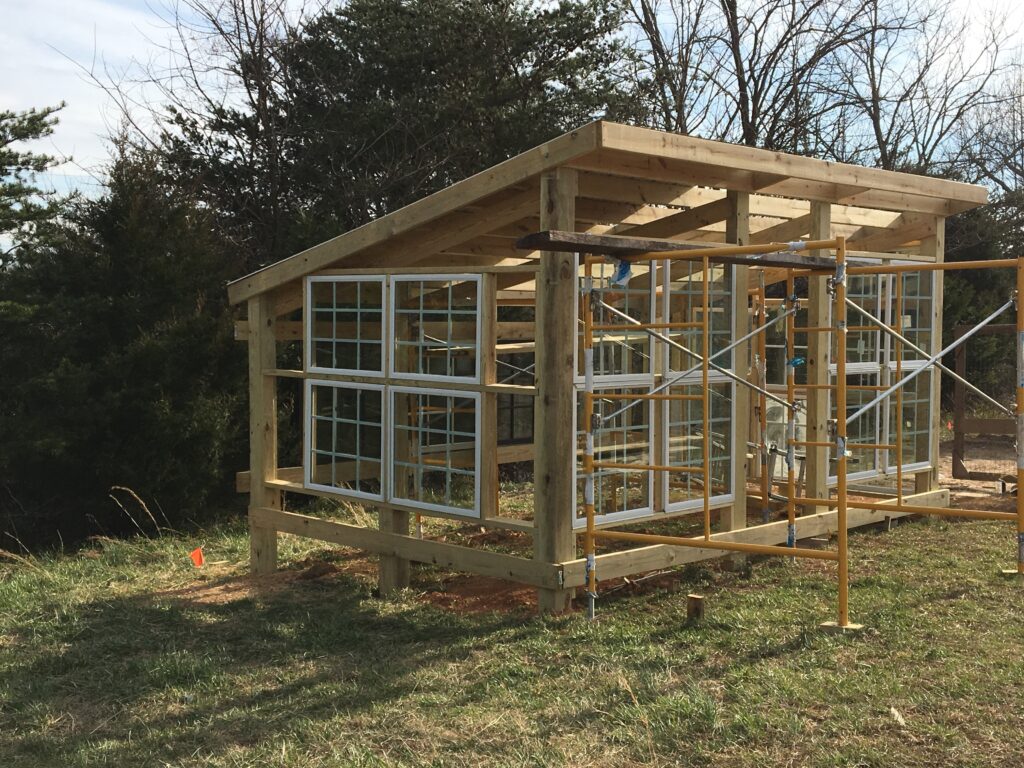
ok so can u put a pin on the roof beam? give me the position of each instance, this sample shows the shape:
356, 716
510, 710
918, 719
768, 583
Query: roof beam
509, 173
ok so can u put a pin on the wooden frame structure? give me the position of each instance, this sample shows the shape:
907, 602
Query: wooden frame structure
604, 179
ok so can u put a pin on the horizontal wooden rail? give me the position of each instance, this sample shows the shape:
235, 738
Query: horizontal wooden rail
483, 562
613, 565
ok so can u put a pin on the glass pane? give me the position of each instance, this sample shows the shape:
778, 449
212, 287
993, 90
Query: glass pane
346, 318
435, 449
435, 324
624, 439
686, 305
620, 352
686, 442
346, 438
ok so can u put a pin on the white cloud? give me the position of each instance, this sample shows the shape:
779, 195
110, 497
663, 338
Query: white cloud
46, 44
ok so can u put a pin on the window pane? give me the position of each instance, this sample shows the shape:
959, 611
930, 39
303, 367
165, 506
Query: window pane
686, 305
346, 438
435, 322
686, 442
435, 449
622, 352
346, 324
624, 439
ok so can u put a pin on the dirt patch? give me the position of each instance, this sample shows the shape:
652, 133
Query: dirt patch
482, 594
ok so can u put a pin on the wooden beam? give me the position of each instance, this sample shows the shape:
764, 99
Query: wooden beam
262, 431
596, 186
845, 178
678, 224
406, 548
624, 245
818, 347
907, 228
554, 490
487, 472
493, 180
935, 248
615, 565
784, 232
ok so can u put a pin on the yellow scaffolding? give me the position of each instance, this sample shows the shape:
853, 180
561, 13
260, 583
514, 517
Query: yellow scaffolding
837, 289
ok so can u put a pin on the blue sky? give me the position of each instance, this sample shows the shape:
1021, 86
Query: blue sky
46, 44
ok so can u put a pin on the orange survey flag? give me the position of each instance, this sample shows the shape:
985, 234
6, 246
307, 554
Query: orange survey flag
197, 557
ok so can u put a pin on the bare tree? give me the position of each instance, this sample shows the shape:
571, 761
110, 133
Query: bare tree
915, 79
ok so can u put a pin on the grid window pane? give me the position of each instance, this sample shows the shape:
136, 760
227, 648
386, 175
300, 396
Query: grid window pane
865, 429
685, 426
620, 352
346, 438
435, 327
435, 444
625, 439
686, 305
346, 319
916, 322
915, 420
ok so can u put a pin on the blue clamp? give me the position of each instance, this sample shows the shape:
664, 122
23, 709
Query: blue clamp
796, 361
622, 274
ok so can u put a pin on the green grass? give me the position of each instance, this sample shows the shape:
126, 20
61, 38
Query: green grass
104, 660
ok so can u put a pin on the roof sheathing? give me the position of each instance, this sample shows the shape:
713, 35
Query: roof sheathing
466, 209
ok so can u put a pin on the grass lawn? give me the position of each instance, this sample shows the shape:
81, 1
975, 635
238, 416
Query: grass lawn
125, 655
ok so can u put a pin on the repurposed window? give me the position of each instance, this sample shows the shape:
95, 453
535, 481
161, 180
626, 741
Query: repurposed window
435, 327
624, 438
684, 446
435, 450
344, 438
620, 352
344, 325
684, 303
872, 365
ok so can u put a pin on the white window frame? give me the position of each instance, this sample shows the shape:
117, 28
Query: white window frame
473, 513
308, 321
885, 368
628, 379
603, 383
696, 379
722, 499
307, 439
392, 316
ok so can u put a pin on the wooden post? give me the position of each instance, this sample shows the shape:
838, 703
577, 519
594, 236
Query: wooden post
818, 347
392, 571
737, 230
695, 606
487, 472
934, 246
554, 493
262, 431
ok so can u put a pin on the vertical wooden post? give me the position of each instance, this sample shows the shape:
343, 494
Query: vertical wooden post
818, 346
737, 230
487, 472
934, 246
262, 430
555, 453
393, 572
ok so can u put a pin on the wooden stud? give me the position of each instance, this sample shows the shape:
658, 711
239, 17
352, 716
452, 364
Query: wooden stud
738, 231
818, 355
487, 472
694, 608
262, 431
554, 491
935, 248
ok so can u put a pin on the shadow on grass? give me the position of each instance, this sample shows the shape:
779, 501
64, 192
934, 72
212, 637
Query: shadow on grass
188, 679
